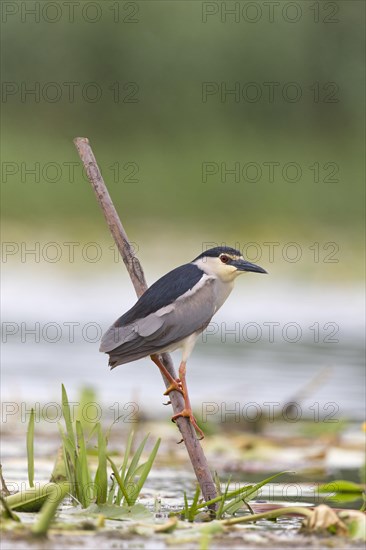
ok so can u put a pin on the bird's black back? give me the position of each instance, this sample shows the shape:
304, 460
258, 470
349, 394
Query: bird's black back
163, 292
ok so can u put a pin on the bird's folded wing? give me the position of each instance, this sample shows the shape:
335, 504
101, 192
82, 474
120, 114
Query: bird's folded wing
118, 335
190, 313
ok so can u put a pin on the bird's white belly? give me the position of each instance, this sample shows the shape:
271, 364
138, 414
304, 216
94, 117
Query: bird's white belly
187, 345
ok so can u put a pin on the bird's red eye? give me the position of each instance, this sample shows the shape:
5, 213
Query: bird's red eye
224, 259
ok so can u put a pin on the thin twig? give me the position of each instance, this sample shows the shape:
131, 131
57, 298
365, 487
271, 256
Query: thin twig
136, 274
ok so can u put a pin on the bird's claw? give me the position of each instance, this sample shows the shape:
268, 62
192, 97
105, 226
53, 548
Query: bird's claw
167, 403
187, 413
174, 386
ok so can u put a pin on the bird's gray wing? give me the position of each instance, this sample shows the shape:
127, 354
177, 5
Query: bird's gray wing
190, 313
117, 335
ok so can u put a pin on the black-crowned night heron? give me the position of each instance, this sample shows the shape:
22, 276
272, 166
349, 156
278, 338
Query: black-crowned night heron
173, 312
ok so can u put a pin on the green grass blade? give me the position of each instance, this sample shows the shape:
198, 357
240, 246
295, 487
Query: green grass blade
221, 497
92, 433
186, 506
69, 455
193, 508
29, 500
4, 490
124, 464
119, 480
49, 508
101, 476
67, 416
79, 487
145, 472
140, 469
7, 512
220, 509
127, 454
245, 492
86, 398
135, 460
83, 479
59, 469
234, 506
111, 492
30, 449
217, 483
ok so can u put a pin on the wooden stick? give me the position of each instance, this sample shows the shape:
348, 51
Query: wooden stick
137, 276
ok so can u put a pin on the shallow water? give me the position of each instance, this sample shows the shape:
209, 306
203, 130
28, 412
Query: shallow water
263, 349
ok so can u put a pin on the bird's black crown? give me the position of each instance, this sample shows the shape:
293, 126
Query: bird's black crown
215, 252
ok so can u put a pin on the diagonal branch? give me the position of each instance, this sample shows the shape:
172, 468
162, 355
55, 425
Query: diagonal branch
137, 276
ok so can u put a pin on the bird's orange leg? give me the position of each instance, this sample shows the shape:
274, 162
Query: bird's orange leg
174, 384
187, 411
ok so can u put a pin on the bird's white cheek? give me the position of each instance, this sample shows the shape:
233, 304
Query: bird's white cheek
228, 273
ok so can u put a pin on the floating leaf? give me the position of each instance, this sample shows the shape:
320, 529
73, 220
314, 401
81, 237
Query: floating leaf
341, 486
167, 527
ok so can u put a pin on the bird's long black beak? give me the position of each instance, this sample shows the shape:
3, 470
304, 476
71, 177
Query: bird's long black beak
243, 265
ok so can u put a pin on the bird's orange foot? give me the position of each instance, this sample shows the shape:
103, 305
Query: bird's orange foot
187, 413
176, 385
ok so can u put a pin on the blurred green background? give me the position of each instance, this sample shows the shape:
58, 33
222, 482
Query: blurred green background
173, 95
153, 127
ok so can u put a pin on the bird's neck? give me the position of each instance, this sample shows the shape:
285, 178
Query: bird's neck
223, 291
